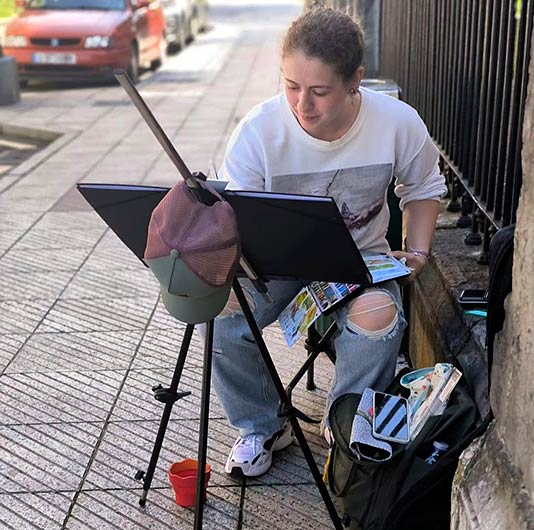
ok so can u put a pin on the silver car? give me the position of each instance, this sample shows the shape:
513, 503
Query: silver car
184, 19
177, 19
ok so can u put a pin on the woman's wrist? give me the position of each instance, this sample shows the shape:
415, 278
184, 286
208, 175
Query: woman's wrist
420, 257
419, 252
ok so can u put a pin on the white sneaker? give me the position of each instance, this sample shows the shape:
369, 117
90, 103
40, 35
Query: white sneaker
252, 455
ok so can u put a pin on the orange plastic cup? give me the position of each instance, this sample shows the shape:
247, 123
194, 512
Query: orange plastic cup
183, 478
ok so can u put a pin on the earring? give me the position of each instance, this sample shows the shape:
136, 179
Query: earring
352, 95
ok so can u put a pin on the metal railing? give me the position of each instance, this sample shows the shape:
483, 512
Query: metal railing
463, 65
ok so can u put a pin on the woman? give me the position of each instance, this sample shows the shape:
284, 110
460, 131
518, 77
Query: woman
325, 135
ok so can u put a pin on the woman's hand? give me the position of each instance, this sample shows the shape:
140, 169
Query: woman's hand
416, 262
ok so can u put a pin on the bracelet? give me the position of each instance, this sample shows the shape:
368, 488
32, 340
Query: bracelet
420, 253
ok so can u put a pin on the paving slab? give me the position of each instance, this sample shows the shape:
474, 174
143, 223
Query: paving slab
127, 446
136, 401
98, 315
31, 511
40, 458
33, 285
90, 351
43, 260
97, 284
8, 238
23, 316
110, 254
160, 348
9, 347
57, 239
51, 397
74, 220
119, 509
296, 507
17, 221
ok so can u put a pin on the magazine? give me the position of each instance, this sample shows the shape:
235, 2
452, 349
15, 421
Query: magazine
321, 297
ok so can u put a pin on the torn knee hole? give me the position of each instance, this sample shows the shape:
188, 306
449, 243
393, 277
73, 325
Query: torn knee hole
373, 312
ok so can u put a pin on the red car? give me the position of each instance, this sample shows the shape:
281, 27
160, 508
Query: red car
86, 39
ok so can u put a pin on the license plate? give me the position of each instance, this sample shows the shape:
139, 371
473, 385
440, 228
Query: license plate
54, 58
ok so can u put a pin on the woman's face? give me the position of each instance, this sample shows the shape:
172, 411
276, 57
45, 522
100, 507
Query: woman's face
318, 96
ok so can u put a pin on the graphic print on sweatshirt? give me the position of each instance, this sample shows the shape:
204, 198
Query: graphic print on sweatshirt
359, 192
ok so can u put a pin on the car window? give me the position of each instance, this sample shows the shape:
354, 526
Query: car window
75, 4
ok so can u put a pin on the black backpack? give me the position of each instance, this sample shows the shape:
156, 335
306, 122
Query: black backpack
500, 283
405, 492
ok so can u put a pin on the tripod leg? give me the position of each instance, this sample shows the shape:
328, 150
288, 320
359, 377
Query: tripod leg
203, 433
286, 402
169, 402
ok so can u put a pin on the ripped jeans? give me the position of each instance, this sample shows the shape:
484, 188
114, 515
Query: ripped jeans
242, 382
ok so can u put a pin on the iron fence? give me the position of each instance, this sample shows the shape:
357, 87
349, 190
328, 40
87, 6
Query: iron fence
463, 65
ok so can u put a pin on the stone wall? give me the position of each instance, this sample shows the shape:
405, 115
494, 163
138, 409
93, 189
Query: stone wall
494, 486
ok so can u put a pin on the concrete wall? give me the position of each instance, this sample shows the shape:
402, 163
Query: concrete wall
513, 398
494, 486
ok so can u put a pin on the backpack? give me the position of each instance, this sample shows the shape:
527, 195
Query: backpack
501, 262
404, 491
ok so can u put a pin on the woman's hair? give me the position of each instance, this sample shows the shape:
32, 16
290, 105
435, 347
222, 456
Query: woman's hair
329, 35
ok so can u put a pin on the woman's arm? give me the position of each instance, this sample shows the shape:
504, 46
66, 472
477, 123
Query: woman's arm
420, 220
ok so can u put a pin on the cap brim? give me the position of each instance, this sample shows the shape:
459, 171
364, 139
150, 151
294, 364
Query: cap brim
193, 310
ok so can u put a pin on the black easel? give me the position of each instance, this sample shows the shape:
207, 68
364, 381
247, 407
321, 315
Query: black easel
170, 395
126, 209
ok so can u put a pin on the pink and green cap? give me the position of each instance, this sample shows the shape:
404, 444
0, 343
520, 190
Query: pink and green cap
193, 250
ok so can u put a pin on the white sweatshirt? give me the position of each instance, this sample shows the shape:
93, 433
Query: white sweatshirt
270, 151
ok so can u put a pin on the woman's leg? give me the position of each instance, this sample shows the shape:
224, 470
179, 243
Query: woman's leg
367, 345
240, 377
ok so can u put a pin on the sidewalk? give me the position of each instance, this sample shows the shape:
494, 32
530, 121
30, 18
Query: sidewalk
82, 335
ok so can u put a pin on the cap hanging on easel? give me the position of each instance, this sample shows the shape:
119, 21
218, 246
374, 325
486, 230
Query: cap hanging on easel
193, 249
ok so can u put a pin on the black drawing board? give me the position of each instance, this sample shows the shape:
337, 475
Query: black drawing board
283, 236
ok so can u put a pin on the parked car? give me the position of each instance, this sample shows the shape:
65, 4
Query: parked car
86, 39
185, 19
198, 16
177, 19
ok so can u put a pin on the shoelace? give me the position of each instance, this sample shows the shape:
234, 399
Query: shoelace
251, 441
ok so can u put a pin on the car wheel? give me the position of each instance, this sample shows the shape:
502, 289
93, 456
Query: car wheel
179, 43
133, 70
191, 30
181, 37
156, 63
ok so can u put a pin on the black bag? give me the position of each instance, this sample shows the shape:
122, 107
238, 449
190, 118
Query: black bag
405, 492
501, 261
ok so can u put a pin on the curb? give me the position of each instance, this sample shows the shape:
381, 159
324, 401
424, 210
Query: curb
29, 132
56, 141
